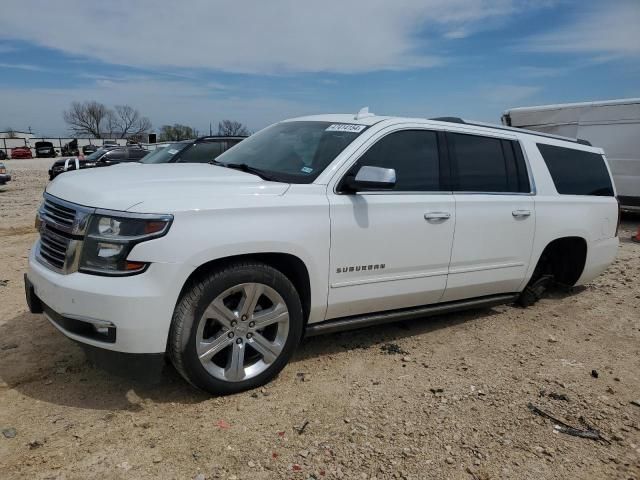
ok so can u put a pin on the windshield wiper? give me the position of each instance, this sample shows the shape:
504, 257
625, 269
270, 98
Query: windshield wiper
243, 167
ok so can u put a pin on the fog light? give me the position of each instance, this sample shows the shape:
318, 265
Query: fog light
101, 330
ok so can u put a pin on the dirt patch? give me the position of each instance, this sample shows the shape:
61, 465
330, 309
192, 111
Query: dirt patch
450, 400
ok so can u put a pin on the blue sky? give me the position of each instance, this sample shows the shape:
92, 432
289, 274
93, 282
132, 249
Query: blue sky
199, 61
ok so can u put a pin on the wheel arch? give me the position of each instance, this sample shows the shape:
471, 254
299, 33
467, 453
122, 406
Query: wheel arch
288, 264
565, 258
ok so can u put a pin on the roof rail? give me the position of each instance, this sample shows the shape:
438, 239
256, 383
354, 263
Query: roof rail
449, 119
511, 129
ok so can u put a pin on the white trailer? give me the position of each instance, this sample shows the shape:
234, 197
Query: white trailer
613, 125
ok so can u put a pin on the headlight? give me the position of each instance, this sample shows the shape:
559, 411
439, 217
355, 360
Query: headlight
110, 238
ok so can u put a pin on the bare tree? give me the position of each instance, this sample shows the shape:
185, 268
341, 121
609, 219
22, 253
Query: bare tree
126, 121
87, 118
229, 128
176, 132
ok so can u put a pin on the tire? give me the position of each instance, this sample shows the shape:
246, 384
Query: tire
222, 357
540, 281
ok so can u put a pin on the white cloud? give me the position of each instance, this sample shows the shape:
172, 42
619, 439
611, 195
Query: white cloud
605, 29
22, 66
275, 36
541, 72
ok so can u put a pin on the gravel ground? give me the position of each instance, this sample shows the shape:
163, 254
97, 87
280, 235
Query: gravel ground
438, 398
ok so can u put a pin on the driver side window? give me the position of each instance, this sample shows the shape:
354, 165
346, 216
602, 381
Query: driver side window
414, 156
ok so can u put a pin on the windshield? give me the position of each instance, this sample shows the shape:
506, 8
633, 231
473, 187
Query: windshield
295, 152
96, 155
164, 154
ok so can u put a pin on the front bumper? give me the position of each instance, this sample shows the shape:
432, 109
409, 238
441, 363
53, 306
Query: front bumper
4, 178
122, 314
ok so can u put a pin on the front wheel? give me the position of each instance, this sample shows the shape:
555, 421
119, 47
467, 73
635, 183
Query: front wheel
235, 328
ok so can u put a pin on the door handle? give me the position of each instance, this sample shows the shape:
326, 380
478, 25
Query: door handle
521, 213
437, 216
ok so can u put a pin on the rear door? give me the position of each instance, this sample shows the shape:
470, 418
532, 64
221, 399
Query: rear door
390, 249
495, 216
137, 154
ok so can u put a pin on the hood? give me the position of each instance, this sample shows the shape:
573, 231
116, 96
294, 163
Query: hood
159, 188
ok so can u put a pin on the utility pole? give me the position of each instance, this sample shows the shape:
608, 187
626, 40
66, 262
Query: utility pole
210, 130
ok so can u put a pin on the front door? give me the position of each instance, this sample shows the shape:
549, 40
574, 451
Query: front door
391, 249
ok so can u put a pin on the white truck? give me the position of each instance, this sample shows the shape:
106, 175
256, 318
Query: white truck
314, 225
613, 125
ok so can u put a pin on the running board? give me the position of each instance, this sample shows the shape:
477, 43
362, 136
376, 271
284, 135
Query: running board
362, 321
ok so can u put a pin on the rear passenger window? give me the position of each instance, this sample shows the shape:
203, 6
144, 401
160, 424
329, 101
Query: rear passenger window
485, 164
414, 156
201, 152
116, 155
576, 172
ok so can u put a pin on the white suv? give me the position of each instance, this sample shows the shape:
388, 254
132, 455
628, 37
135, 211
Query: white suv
314, 225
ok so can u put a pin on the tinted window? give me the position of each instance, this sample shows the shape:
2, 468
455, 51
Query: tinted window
117, 155
480, 163
414, 156
164, 154
201, 153
136, 154
576, 172
231, 143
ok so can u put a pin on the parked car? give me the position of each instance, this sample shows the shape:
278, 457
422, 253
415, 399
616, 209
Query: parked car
109, 143
200, 150
45, 150
4, 176
103, 157
21, 152
89, 149
3, 154
314, 225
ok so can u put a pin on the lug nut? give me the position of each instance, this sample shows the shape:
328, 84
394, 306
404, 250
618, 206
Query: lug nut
249, 335
244, 317
252, 324
239, 341
233, 323
230, 334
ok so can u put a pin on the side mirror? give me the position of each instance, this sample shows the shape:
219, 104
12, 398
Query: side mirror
370, 178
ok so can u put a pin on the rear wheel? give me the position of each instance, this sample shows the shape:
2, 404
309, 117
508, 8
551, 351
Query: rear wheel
236, 328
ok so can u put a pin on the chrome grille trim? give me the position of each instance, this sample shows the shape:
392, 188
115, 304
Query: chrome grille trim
62, 225
59, 214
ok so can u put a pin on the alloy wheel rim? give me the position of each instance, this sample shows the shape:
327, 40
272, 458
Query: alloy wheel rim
242, 332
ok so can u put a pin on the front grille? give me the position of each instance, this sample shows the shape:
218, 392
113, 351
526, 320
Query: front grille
53, 247
62, 227
59, 214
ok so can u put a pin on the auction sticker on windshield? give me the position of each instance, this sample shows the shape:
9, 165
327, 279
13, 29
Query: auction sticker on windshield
345, 127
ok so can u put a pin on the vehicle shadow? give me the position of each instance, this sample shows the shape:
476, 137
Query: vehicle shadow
379, 335
39, 362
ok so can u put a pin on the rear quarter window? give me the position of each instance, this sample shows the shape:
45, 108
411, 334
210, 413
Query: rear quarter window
577, 172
